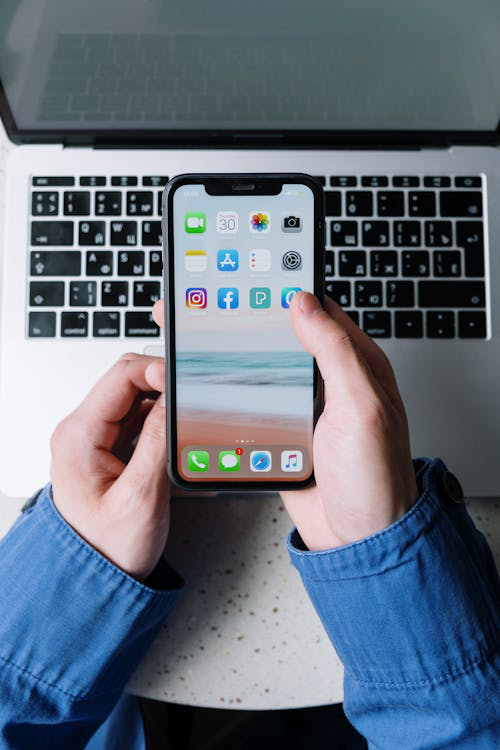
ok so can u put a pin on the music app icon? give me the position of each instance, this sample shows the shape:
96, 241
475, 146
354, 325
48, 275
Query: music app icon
291, 460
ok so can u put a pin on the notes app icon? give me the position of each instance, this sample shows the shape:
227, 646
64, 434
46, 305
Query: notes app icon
291, 460
196, 260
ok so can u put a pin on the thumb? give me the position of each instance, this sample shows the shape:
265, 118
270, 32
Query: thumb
340, 362
147, 469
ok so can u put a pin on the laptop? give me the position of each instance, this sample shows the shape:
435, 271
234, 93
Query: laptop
393, 106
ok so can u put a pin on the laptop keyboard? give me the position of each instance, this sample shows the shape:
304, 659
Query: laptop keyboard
404, 255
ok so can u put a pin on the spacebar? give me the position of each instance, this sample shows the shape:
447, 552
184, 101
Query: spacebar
451, 294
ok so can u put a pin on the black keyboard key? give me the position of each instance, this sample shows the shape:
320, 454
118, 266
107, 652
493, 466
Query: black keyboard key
329, 263
470, 237
391, 203
57, 233
92, 181
320, 179
124, 233
53, 181
462, 203
74, 324
151, 233
447, 263
359, 203
374, 182
77, 203
407, 233
131, 263
422, 203
45, 203
99, 263
154, 181
408, 324
438, 234
155, 263
368, 293
56, 263
352, 263
377, 323
343, 181
375, 233
333, 202
140, 324
114, 293
472, 325
124, 181
108, 203
83, 294
467, 182
437, 182
140, 203
146, 293
440, 324
343, 234
106, 324
42, 324
340, 291
47, 293
415, 263
406, 181
91, 233
354, 316
384, 263
451, 294
400, 294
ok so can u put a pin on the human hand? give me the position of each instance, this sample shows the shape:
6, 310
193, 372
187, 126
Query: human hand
108, 467
361, 452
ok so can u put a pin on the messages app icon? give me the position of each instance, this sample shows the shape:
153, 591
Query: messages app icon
229, 461
260, 297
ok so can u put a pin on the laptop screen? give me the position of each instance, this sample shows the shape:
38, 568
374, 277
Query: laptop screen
266, 66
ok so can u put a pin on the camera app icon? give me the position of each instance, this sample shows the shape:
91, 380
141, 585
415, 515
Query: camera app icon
291, 224
196, 298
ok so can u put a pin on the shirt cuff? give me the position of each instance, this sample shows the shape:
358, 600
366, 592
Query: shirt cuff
408, 604
71, 618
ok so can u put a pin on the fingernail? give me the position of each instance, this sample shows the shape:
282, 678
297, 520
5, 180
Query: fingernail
162, 400
309, 304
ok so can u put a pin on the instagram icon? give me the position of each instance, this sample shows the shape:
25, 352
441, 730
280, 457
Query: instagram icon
196, 298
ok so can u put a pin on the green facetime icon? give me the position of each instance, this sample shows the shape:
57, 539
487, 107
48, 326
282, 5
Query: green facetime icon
260, 297
198, 461
195, 222
229, 461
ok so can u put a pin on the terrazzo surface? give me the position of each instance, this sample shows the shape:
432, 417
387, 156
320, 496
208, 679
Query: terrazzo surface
244, 634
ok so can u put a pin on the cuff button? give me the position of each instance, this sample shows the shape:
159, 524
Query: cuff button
452, 488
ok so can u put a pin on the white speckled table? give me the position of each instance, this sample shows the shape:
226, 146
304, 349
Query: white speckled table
245, 634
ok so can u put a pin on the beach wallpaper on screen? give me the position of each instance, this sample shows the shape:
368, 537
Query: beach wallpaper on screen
243, 381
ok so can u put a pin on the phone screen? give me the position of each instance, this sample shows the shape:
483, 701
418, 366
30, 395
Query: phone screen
244, 387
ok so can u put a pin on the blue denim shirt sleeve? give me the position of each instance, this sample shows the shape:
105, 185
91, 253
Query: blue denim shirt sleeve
73, 627
413, 612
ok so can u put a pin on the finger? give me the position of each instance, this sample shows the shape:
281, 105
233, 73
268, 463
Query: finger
373, 354
114, 394
159, 313
146, 471
342, 366
155, 375
130, 428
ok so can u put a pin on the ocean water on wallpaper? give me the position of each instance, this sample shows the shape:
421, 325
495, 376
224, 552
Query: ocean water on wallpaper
277, 383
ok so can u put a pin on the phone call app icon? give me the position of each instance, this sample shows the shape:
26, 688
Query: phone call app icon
198, 461
196, 298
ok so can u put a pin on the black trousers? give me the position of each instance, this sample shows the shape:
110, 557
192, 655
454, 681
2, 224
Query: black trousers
174, 727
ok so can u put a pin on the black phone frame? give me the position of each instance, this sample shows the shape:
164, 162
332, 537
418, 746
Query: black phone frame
260, 181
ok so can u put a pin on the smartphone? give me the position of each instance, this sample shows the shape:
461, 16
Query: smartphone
242, 395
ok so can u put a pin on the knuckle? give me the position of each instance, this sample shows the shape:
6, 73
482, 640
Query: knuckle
155, 425
127, 357
60, 435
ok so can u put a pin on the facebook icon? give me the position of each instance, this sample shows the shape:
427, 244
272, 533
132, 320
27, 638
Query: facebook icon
227, 298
